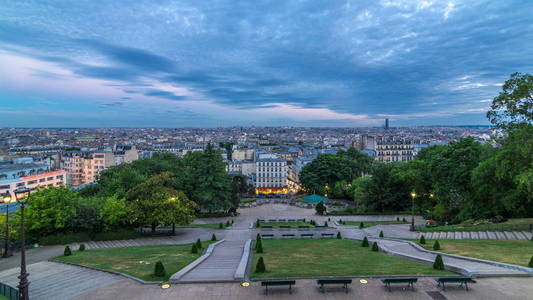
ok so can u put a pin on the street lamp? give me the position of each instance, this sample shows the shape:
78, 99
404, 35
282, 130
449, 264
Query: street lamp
6, 198
22, 195
413, 195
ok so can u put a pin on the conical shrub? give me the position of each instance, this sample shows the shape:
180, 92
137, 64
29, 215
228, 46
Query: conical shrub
159, 269
82, 247
530, 262
422, 240
339, 235
365, 242
436, 246
259, 246
67, 251
381, 234
439, 263
199, 244
361, 225
213, 238
260, 266
326, 224
375, 247
194, 249
220, 226
227, 223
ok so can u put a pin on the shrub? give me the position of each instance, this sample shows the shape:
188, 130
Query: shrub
220, 226
530, 262
381, 234
436, 246
259, 246
228, 223
159, 270
361, 225
232, 221
320, 208
67, 251
329, 219
312, 222
398, 219
82, 247
326, 224
439, 263
194, 250
403, 220
422, 240
260, 267
199, 244
375, 247
341, 222
257, 224
365, 242
339, 235
213, 238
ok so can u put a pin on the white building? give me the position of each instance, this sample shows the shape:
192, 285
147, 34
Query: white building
271, 176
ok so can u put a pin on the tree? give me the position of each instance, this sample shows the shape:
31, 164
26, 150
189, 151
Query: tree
156, 201
85, 219
320, 208
514, 105
339, 235
422, 240
439, 263
67, 251
436, 246
159, 269
213, 238
258, 246
260, 266
375, 247
365, 242
194, 249
199, 244
381, 235
115, 213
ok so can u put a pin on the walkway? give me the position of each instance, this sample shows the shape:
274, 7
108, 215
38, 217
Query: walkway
478, 235
220, 266
56, 281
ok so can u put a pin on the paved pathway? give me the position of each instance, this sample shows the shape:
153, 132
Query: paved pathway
55, 281
477, 235
220, 266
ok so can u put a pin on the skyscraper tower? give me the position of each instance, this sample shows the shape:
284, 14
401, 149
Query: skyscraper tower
387, 124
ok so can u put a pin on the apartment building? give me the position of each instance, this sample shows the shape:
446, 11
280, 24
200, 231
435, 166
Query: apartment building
271, 176
83, 167
28, 175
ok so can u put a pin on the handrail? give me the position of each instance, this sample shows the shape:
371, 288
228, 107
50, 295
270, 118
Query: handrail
10, 292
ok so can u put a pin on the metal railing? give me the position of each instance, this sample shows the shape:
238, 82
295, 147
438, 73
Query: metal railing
10, 292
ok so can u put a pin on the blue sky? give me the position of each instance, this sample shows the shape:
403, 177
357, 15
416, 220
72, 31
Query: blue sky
222, 63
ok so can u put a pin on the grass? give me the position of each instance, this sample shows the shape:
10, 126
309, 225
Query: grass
292, 224
209, 226
127, 260
72, 237
373, 223
331, 257
511, 252
2, 297
517, 224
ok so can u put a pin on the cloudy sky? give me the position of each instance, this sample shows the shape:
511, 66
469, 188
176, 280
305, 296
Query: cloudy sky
220, 63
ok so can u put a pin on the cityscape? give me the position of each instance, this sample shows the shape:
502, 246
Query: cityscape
296, 150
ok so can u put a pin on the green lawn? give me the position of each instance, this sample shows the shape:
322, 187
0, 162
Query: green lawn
210, 226
511, 252
2, 297
331, 257
292, 224
128, 260
372, 223
517, 224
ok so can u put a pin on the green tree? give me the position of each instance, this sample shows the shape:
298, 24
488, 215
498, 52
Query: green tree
320, 208
115, 213
365, 242
439, 263
514, 105
159, 269
67, 251
260, 266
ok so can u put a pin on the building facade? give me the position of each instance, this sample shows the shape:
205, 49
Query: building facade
29, 176
84, 167
271, 176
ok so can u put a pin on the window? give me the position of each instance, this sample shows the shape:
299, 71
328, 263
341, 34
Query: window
21, 184
59, 177
42, 180
4, 187
49, 178
32, 182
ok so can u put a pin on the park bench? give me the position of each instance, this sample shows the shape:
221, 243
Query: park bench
272, 220
300, 220
266, 228
292, 220
260, 220
285, 227
462, 280
267, 236
410, 282
282, 220
289, 283
323, 282
288, 235
302, 227
328, 235
307, 235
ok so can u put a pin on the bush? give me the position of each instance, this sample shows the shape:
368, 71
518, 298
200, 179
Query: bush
397, 219
361, 225
439, 263
194, 250
320, 208
375, 247
403, 220
260, 267
326, 224
220, 226
213, 238
199, 244
82, 247
329, 219
422, 240
257, 224
228, 224
259, 246
159, 270
339, 235
312, 222
365, 242
436, 246
530, 262
67, 251
232, 221
341, 222
381, 234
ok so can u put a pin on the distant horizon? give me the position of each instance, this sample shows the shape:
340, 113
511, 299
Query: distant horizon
168, 64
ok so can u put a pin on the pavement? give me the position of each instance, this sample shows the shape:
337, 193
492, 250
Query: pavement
425, 289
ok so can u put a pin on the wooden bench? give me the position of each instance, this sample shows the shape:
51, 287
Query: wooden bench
328, 234
307, 235
272, 220
260, 220
462, 280
282, 220
285, 227
300, 220
292, 220
288, 235
267, 236
323, 282
302, 227
410, 282
289, 283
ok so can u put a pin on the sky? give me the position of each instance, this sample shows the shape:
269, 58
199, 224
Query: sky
148, 63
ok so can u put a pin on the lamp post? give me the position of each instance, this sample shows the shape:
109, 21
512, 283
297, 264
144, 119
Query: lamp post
6, 199
413, 195
21, 195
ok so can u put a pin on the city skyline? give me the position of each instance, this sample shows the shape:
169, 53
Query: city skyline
307, 64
